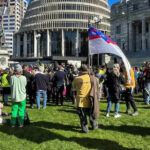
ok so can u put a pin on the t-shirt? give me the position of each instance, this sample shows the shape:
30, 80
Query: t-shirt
18, 88
83, 87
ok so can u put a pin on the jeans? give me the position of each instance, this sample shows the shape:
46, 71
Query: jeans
110, 105
147, 95
5, 99
38, 96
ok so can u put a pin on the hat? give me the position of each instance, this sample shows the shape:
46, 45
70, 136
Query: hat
83, 68
41, 69
18, 68
6, 70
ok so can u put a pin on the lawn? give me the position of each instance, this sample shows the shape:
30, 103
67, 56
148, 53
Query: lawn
58, 128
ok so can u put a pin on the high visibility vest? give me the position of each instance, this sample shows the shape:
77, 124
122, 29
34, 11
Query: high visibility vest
5, 81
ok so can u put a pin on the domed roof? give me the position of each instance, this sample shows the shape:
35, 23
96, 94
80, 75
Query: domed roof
55, 14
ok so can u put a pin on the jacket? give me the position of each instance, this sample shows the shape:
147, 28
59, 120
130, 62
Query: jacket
5, 82
132, 82
94, 96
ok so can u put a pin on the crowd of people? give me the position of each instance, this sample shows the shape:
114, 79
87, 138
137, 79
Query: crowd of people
83, 86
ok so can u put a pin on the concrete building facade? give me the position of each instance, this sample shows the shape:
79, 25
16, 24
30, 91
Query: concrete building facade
58, 29
13, 13
130, 28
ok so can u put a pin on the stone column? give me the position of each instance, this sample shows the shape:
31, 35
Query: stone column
149, 35
130, 37
25, 45
77, 43
18, 46
48, 43
137, 37
63, 43
29, 41
143, 35
35, 44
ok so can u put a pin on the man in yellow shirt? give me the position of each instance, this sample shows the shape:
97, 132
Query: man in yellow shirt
83, 86
129, 92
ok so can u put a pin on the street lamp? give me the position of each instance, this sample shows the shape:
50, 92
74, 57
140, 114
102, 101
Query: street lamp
97, 20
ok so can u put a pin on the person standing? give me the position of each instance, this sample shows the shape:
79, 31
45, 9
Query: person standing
59, 80
130, 85
147, 85
18, 94
82, 83
29, 89
41, 81
113, 82
6, 87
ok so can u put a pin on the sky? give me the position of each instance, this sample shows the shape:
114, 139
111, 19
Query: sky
109, 1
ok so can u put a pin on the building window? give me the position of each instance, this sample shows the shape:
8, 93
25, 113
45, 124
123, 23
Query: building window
8, 39
118, 29
12, 28
5, 20
12, 19
12, 16
56, 43
70, 38
12, 24
5, 24
135, 7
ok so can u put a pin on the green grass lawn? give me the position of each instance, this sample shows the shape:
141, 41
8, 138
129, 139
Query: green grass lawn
58, 128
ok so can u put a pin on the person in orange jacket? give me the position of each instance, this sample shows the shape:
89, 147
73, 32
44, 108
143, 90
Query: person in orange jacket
130, 85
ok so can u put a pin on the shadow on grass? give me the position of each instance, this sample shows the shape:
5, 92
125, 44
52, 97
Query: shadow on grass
38, 133
135, 130
68, 111
144, 107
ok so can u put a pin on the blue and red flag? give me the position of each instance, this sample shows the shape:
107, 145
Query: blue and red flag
99, 43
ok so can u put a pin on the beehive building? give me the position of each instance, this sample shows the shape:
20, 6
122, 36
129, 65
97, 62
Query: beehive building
58, 29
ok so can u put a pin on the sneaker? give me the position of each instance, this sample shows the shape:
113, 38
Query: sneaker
127, 112
117, 116
20, 126
12, 126
107, 115
135, 114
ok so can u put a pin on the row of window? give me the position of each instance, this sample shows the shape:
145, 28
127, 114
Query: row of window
67, 7
65, 15
11, 24
11, 28
9, 20
97, 2
64, 24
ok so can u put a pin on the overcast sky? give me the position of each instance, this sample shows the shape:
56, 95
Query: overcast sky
109, 1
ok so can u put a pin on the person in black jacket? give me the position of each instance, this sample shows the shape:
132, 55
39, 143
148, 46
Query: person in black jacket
147, 84
41, 81
29, 87
113, 82
59, 80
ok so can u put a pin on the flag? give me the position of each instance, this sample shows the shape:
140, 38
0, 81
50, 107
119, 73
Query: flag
99, 43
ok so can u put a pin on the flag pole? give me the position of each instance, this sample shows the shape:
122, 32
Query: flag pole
89, 57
